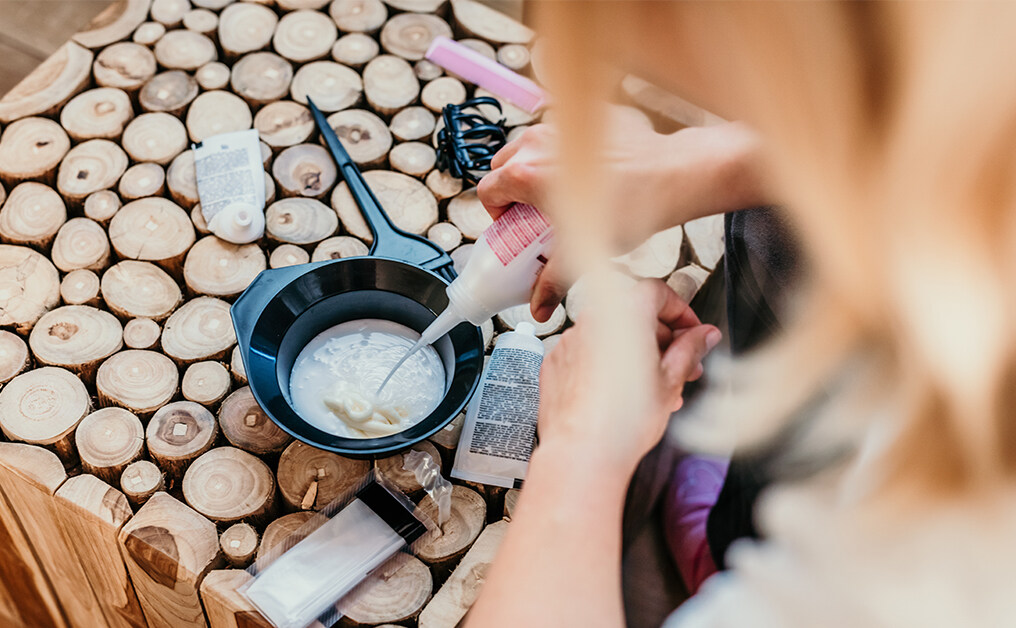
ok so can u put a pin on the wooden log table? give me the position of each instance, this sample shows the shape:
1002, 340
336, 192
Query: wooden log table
140, 467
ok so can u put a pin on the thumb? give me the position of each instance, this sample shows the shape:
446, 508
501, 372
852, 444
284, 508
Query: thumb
682, 358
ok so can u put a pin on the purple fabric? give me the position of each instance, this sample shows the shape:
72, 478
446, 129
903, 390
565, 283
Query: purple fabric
693, 490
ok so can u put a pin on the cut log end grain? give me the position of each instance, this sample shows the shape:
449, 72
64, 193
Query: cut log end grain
133, 289
460, 257
246, 426
137, 380
114, 24
184, 50
236, 367
141, 480
301, 221
387, 596
443, 547
141, 180
330, 85
125, 65
89, 167
296, 5
413, 158
14, 357
178, 433
407, 201
467, 213
301, 465
511, 114
218, 268
418, 6
31, 149
169, 13
141, 333
657, 256
101, 206
511, 317
245, 27
239, 543
442, 91
443, 185
426, 70
205, 383
201, 21
511, 498
212, 76
338, 247
76, 337
149, 33
389, 84
50, 85
412, 123
288, 255
217, 112
32, 215
80, 287
229, 485
355, 50
155, 137
687, 281
393, 468
100, 113
478, 20
42, 407
80, 243
282, 533
705, 239
108, 440
303, 36
261, 77
200, 330
168, 92
29, 287
409, 35
305, 170
514, 56
181, 180
152, 229
284, 123
358, 16
446, 235
364, 135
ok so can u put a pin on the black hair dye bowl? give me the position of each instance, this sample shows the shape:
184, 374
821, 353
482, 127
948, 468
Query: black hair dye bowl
284, 309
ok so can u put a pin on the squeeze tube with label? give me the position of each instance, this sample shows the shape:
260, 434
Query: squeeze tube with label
500, 427
230, 179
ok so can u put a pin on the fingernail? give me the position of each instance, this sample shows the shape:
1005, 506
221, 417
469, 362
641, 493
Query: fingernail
713, 338
542, 313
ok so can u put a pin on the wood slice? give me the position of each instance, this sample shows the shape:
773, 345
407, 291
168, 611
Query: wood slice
303, 36
511, 317
413, 158
222, 269
215, 5
512, 115
338, 247
90, 167
358, 16
442, 91
76, 337
409, 35
386, 597
480, 46
114, 24
393, 468
141, 480
514, 57
236, 367
126, 65
452, 602
516, 132
305, 470
31, 149
212, 76
101, 206
305, 170
705, 239
261, 77
467, 213
408, 203
446, 235
154, 230
201, 21
141, 333
330, 85
288, 255
246, 426
245, 27
443, 185
200, 330
478, 20
149, 33
108, 440
178, 433
155, 137
141, 180
32, 215
80, 287
465, 522
80, 243
460, 257
280, 530
217, 112
137, 380
412, 123
100, 113
417, 6
229, 485
62, 75
657, 256
427, 71
364, 135
205, 383
511, 498
169, 92
239, 543
42, 407
355, 50
301, 221
389, 84
14, 357
170, 13
296, 5
133, 289
284, 123
29, 287
184, 50
687, 281
181, 180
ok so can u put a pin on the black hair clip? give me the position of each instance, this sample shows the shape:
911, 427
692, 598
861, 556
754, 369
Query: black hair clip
468, 140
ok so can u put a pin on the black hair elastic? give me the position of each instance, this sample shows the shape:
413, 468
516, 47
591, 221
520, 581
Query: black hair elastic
468, 140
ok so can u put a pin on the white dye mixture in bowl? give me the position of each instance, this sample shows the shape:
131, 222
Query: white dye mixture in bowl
335, 379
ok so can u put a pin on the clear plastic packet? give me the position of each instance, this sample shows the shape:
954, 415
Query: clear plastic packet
428, 474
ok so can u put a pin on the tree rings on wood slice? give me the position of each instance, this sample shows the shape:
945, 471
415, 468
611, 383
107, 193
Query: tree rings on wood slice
301, 221
217, 112
479, 20
239, 543
279, 535
76, 337
656, 257
245, 425
466, 520
169, 13
101, 206
443, 184
287, 255
705, 239
512, 316
393, 468
446, 235
140, 480
284, 123
364, 135
181, 179
200, 330
178, 433
13, 356
32, 215
108, 440
303, 36
125, 65
412, 123
201, 21
141, 333
442, 91
355, 49
222, 269
245, 27
306, 470
140, 381
89, 167
29, 287
413, 158
113, 24
514, 57
80, 243
63, 74
229, 485
31, 149
205, 383
42, 407
338, 247
184, 50
152, 229
261, 77
409, 35
305, 170
236, 367
417, 6
358, 16
168, 92
155, 137
133, 289
80, 287
426, 70
386, 597
330, 85
687, 281
512, 115
141, 180
408, 203
149, 33
467, 213
390, 84
100, 113
212, 76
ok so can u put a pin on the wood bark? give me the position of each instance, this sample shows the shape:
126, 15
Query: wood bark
141, 180
300, 221
246, 426
141, 333
80, 287
303, 36
80, 243
229, 485
31, 149
65, 73
76, 337
133, 289
205, 383
102, 205
409, 35
153, 230
338, 247
355, 50
168, 92
284, 123
108, 440
42, 407
330, 85
100, 113
358, 16
407, 201
178, 433
141, 480
32, 215
239, 543
34, 287
288, 255
138, 380
412, 123
305, 170
303, 468
199, 330
364, 136
90, 167
217, 112
389, 84
218, 268
125, 65
261, 78
245, 27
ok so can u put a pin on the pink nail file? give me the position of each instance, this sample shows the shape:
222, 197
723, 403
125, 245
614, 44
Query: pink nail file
488, 74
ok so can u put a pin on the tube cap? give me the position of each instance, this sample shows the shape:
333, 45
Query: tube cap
525, 327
